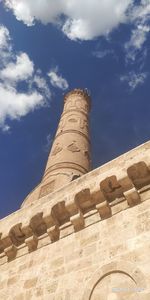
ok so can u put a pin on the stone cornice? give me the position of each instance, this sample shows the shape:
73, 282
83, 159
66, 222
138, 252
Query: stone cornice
110, 189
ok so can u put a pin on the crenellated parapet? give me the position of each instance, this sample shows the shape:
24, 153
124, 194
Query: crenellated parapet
96, 196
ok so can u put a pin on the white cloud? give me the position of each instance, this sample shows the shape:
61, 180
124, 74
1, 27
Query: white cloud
57, 80
15, 105
14, 68
134, 79
85, 19
88, 19
19, 70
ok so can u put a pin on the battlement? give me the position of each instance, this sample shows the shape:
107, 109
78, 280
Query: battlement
100, 194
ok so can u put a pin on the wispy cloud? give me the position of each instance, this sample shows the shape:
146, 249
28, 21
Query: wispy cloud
134, 46
134, 79
139, 18
41, 84
4, 37
57, 80
48, 143
5, 45
102, 53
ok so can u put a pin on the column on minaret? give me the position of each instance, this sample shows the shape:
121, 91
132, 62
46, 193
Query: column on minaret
70, 155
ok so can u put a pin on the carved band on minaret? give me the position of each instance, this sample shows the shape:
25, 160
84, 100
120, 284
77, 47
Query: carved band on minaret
70, 154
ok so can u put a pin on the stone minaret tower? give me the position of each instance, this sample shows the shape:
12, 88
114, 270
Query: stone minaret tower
70, 154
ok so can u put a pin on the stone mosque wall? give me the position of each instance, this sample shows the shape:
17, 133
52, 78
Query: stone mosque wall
90, 240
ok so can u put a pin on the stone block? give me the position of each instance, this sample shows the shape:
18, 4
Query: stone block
32, 243
38, 225
104, 210
111, 188
83, 199
16, 235
30, 283
53, 233
11, 252
96, 194
77, 221
132, 196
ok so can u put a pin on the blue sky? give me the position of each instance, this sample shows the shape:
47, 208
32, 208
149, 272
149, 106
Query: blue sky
48, 47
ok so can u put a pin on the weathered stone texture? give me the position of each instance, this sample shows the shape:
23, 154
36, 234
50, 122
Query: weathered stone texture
111, 255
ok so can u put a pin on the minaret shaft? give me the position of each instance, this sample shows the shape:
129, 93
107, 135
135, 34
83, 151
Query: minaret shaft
70, 154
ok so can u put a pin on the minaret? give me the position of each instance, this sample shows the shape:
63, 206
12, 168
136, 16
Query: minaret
70, 155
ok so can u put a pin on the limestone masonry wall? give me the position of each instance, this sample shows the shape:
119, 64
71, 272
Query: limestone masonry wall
88, 241
64, 270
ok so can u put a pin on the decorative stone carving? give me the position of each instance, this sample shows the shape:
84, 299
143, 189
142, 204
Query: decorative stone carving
60, 212
78, 103
52, 225
32, 243
77, 221
47, 188
53, 233
139, 174
111, 188
38, 225
72, 120
132, 197
83, 199
56, 150
96, 194
76, 216
79, 93
17, 235
73, 147
69, 105
104, 209
83, 124
10, 252
6, 242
